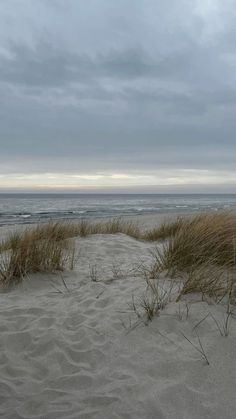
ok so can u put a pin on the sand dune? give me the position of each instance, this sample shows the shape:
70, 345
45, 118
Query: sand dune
82, 352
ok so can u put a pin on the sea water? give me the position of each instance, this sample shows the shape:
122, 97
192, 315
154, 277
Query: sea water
34, 208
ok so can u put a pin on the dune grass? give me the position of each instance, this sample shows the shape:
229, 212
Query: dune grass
206, 238
165, 230
48, 248
62, 230
40, 249
203, 250
202, 247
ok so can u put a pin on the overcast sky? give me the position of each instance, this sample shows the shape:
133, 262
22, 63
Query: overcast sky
118, 95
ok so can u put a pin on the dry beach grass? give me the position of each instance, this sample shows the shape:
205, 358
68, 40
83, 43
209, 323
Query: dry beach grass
48, 248
202, 248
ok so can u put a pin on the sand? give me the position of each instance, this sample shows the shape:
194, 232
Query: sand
82, 352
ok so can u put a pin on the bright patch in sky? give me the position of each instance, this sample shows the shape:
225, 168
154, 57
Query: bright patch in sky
83, 182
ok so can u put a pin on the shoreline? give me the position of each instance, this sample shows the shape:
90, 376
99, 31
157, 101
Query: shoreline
145, 221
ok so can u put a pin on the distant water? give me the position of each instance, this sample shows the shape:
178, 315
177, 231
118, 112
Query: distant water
32, 208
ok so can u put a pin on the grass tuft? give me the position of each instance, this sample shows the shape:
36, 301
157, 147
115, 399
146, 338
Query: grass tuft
199, 240
165, 230
40, 249
204, 249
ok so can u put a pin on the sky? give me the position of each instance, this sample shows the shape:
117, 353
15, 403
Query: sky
118, 96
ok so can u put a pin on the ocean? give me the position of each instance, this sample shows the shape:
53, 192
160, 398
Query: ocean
35, 208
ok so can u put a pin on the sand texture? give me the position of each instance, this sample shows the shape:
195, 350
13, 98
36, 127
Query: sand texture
82, 352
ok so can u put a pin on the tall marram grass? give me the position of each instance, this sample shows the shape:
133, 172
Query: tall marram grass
57, 231
40, 249
206, 238
204, 249
203, 246
46, 247
165, 230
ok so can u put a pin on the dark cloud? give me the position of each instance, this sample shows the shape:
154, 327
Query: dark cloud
49, 66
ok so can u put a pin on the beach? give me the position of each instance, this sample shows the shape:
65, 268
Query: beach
117, 209
76, 344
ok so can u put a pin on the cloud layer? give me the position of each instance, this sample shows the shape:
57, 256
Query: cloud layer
117, 88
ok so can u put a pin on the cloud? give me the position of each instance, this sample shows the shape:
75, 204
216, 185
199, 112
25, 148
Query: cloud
116, 86
46, 65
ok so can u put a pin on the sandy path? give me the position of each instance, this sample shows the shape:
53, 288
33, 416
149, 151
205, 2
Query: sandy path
72, 354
